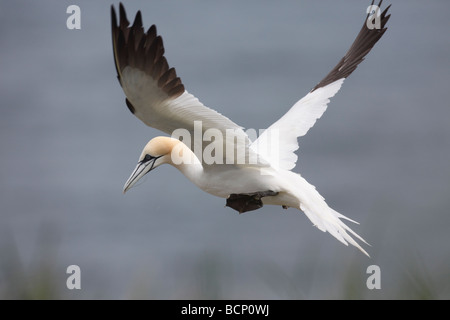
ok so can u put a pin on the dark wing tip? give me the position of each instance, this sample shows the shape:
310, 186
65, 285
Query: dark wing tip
130, 106
152, 30
123, 16
362, 45
145, 51
137, 20
113, 17
115, 37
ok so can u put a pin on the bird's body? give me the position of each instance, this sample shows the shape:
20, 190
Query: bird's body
213, 151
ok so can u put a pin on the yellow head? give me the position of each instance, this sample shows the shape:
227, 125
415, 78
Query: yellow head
156, 152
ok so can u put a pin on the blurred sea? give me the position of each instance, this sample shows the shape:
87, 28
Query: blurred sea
380, 155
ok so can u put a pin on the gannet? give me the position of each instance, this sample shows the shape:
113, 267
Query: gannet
157, 96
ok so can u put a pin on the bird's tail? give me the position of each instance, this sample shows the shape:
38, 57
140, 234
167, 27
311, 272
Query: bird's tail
324, 217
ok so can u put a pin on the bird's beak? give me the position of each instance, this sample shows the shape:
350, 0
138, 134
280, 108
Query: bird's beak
141, 170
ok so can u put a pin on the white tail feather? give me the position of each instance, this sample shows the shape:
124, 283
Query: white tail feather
324, 217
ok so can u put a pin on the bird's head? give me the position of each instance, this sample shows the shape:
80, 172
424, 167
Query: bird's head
156, 152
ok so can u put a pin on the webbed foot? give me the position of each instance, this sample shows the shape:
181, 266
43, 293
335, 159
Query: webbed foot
244, 202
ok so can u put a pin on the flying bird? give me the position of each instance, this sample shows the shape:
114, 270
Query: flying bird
247, 174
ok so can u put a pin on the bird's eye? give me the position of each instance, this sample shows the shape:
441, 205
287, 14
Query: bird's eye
147, 158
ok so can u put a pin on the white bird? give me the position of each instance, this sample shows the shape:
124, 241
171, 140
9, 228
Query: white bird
262, 173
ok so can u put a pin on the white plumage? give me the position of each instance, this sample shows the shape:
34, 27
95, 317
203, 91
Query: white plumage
295, 123
157, 97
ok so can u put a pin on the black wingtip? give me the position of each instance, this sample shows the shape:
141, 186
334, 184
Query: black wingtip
362, 45
144, 51
123, 16
152, 31
113, 17
138, 20
130, 106
385, 11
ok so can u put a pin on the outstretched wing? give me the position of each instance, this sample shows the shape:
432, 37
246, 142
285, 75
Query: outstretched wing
156, 95
278, 143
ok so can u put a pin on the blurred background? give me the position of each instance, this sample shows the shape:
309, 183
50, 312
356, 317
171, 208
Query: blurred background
380, 154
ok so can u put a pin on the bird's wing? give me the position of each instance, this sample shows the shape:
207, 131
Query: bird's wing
278, 143
156, 95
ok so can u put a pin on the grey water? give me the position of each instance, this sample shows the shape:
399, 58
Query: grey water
379, 155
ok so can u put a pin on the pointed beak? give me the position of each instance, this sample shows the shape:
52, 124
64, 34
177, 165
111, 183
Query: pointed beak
141, 170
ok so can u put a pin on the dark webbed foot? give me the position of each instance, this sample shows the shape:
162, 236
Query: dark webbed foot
244, 202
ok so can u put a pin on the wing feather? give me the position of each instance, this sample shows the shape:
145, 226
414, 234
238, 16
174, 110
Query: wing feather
154, 92
304, 114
